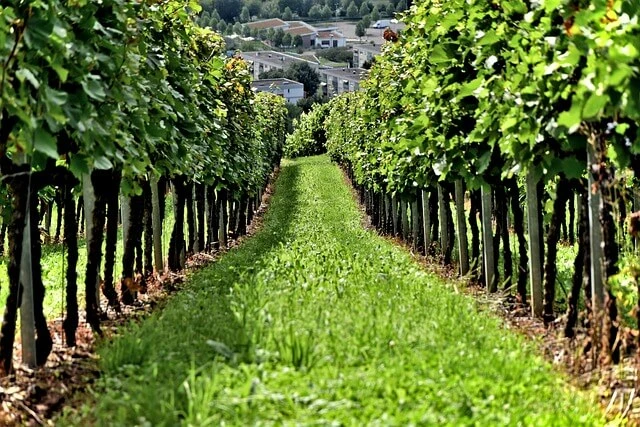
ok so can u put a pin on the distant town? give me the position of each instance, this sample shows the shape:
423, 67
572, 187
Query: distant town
305, 61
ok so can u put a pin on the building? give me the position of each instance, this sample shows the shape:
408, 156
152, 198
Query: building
290, 90
265, 24
363, 53
268, 60
311, 37
335, 81
330, 38
307, 34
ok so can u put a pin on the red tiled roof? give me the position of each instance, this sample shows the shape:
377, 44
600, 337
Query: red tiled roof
329, 35
267, 23
299, 31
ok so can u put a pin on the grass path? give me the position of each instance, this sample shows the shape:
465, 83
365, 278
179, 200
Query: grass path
315, 321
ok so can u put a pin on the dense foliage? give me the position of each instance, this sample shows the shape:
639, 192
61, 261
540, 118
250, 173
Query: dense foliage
490, 92
308, 137
102, 91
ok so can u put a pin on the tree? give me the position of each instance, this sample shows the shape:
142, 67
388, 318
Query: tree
228, 10
401, 6
297, 40
300, 72
254, 6
391, 10
352, 10
303, 73
277, 37
245, 16
293, 5
361, 30
221, 27
326, 12
270, 10
287, 40
366, 21
287, 15
237, 28
315, 12
375, 14
246, 31
364, 9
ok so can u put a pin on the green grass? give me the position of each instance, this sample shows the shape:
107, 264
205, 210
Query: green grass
315, 321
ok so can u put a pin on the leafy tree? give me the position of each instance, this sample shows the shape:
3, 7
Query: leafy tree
361, 30
382, 9
401, 6
228, 10
391, 9
270, 10
207, 5
366, 21
277, 37
375, 14
287, 40
297, 40
237, 28
315, 12
271, 33
221, 27
337, 54
287, 15
326, 12
254, 6
352, 10
364, 9
300, 72
293, 5
246, 31
245, 16
303, 73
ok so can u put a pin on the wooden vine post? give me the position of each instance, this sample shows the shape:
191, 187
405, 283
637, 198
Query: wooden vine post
463, 247
487, 239
426, 221
535, 243
156, 225
595, 236
27, 314
442, 214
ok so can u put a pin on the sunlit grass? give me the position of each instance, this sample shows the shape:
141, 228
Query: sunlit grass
317, 321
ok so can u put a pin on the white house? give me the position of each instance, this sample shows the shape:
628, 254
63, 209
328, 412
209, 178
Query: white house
290, 90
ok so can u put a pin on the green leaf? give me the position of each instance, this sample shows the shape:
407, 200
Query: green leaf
25, 74
468, 88
94, 89
79, 165
439, 55
102, 162
489, 38
594, 105
570, 119
55, 97
45, 143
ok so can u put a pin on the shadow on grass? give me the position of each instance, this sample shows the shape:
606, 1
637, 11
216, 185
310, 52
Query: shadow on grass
151, 361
